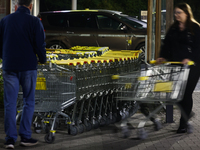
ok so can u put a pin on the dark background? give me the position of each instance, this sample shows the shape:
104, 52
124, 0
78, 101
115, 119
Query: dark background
129, 7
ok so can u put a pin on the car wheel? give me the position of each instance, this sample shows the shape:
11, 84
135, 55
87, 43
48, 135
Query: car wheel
56, 45
141, 47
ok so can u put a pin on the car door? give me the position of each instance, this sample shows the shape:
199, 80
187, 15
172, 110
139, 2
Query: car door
81, 29
112, 33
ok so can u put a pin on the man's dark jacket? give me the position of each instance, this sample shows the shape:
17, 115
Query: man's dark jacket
21, 39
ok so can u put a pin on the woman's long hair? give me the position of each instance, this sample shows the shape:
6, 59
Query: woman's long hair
190, 18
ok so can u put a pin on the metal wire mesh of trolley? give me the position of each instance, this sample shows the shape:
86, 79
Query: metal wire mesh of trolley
79, 93
163, 83
55, 91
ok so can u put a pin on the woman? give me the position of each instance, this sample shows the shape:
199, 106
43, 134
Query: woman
182, 43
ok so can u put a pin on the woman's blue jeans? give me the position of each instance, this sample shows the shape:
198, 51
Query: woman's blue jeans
12, 82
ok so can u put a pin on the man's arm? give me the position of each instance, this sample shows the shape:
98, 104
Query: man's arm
39, 42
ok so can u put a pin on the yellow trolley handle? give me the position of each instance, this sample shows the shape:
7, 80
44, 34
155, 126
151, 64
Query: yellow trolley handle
172, 62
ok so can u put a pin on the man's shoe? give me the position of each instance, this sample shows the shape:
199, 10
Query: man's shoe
9, 144
28, 142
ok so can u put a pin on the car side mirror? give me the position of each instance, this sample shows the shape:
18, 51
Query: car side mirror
123, 27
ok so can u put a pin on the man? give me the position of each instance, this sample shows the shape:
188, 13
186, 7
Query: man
21, 39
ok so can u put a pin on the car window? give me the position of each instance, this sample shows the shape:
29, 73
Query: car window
105, 22
131, 21
58, 20
82, 21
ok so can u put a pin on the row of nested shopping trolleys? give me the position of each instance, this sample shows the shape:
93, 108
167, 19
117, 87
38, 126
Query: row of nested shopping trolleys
80, 92
99, 88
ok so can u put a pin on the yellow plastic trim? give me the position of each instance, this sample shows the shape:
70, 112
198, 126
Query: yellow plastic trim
190, 63
52, 131
114, 77
172, 62
128, 85
143, 78
163, 86
69, 122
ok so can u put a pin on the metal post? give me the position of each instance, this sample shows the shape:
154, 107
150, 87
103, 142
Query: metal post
169, 114
169, 21
74, 4
149, 30
158, 28
36, 7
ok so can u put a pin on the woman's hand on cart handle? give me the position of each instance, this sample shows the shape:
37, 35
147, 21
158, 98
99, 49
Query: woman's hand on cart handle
187, 62
159, 60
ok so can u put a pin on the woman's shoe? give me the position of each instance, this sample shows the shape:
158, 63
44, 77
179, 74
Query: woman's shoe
181, 130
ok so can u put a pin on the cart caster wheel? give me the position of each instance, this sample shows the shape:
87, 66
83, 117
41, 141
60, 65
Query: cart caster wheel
113, 120
88, 126
157, 125
108, 121
119, 117
125, 132
38, 129
126, 113
102, 122
73, 130
142, 134
81, 128
189, 128
123, 116
96, 124
49, 138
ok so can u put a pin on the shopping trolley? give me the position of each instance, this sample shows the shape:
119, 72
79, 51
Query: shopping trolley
80, 92
164, 83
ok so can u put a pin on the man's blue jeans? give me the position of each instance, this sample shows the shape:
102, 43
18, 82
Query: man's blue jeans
12, 82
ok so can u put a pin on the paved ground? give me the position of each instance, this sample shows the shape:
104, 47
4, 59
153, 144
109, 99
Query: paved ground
109, 137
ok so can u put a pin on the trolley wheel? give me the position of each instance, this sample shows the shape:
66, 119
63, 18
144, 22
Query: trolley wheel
102, 122
125, 132
96, 124
88, 126
108, 121
73, 130
114, 119
49, 138
123, 115
127, 113
157, 125
38, 128
142, 134
189, 128
81, 128
119, 117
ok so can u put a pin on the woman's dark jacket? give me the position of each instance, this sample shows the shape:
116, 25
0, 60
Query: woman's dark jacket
179, 45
